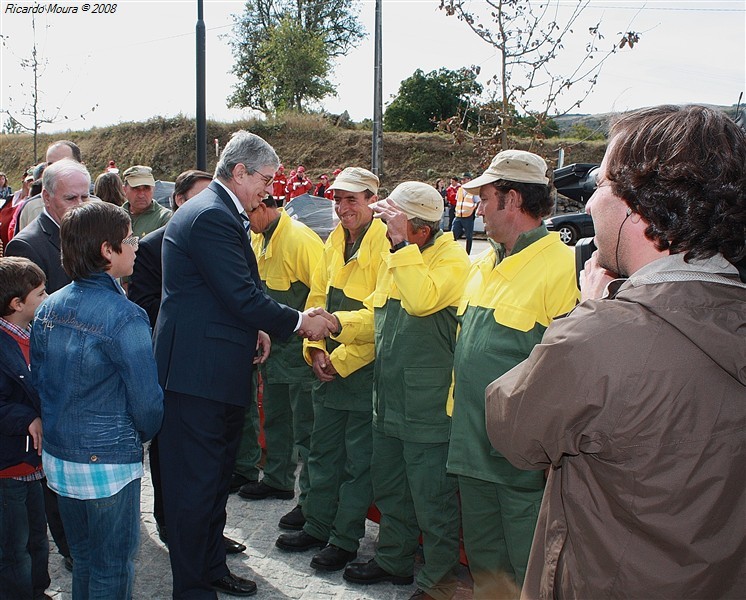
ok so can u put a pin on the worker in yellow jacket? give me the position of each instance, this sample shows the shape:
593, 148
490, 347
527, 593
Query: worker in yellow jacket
412, 309
339, 463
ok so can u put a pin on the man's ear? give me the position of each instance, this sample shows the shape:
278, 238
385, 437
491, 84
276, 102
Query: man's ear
373, 199
514, 199
238, 170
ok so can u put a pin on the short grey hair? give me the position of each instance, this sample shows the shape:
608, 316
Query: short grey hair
59, 169
247, 149
419, 223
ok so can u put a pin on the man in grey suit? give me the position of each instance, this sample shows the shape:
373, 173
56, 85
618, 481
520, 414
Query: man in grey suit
212, 319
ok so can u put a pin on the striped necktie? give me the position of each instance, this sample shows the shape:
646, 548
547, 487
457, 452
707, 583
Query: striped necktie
246, 222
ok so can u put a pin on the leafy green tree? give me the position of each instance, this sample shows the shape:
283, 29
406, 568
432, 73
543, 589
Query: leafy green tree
268, 29
294, 66
424, 99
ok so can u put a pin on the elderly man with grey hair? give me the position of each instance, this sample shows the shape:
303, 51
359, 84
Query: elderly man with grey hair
65, 184
213, 318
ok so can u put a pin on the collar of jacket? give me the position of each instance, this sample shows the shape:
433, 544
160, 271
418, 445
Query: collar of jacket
102, 280
715, 269
528, 245
363, 254
274, 229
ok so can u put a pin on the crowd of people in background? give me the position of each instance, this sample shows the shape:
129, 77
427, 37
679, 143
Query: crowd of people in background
582, 437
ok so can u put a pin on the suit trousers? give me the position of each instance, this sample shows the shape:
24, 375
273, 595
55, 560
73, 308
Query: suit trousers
498, 522
414, 493
249, 454
288, 421
197, 444
339, 473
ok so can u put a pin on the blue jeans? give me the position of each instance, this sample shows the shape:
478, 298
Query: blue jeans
103, 535
465, 226
24, 549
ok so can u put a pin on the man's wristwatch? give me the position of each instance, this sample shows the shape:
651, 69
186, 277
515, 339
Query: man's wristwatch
399, 246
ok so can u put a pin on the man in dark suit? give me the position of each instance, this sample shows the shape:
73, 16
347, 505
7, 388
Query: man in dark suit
65, 184
145, 290
212, 315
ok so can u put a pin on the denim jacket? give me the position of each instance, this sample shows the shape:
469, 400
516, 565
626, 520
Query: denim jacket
93, 367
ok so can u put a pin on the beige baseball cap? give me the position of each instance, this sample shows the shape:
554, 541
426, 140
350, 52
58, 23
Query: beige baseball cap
139, 175
417, 200
355, 179
512, 165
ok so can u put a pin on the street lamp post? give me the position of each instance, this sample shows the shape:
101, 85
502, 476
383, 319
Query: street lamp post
377, 158
201, 102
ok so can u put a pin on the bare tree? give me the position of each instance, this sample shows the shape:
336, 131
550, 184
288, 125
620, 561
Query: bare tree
31, 116
528, 37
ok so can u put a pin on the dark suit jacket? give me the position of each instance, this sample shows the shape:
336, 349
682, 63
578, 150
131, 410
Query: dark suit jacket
145, 283
213, 302
40, 242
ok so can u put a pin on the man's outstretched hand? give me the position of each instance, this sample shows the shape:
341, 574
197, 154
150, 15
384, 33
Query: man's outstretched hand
317, 325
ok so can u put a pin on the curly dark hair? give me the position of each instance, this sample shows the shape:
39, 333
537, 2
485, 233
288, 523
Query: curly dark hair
682, 168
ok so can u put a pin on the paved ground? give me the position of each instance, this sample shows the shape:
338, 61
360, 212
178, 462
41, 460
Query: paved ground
279, 575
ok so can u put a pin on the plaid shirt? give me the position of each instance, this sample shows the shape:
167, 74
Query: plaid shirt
84, 481
24, 334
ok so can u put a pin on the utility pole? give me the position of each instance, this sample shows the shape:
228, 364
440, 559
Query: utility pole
377, 158
201, 103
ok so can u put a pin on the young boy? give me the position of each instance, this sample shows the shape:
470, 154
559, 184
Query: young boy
24, 549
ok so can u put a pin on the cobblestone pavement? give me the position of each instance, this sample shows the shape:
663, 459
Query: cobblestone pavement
279, 575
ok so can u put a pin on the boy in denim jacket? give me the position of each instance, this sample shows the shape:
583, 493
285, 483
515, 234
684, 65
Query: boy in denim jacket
24, 549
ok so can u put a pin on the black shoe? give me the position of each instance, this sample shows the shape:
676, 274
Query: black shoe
258, 490
298, 541
294, 520
237, 481
332, 558
232, 546
68, 562
370, 572
233, 585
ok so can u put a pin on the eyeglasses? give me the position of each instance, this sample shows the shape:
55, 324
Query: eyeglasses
131, 240
267, 179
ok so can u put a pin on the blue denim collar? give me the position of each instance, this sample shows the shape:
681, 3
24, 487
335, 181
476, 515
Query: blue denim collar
101, 280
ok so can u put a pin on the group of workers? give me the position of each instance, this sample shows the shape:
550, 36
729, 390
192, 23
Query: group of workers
586, 441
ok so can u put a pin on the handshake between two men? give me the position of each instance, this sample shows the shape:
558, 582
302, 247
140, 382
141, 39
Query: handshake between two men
316, 324
319, 324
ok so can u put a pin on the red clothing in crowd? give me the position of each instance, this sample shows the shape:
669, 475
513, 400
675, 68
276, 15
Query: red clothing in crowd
278, 185
451, 192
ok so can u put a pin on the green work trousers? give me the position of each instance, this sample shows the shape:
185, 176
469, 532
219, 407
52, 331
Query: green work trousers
414, 493
340, 491
288, 421
249, 451
498, 523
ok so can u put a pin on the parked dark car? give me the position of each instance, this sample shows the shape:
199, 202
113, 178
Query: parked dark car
571, 226
578, 182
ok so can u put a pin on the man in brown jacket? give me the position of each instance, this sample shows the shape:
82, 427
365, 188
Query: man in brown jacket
636, 400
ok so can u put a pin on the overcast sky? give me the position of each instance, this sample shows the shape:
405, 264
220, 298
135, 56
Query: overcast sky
139, 62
